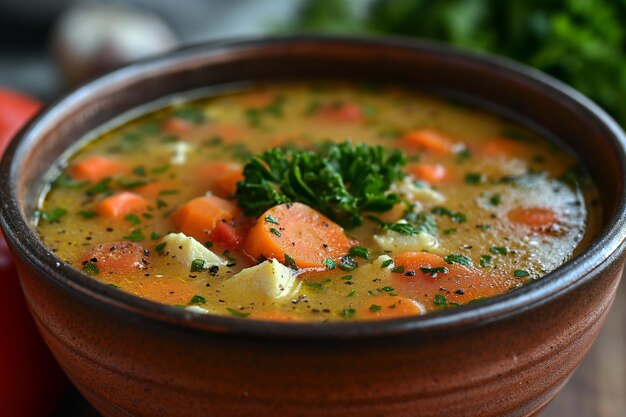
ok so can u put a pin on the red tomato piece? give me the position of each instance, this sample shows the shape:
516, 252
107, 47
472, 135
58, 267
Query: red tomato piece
225, 235
15, 110
31, 382
341, 112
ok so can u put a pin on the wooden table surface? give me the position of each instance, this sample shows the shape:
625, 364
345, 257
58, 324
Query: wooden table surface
597, 388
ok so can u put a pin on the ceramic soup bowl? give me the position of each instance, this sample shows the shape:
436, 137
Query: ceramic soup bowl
507, 356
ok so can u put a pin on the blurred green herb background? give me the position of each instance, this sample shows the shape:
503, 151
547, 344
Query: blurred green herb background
581, 42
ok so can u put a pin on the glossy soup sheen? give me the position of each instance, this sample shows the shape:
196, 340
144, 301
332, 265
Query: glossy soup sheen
490, 206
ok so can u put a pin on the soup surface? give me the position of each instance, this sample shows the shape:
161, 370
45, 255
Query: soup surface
316, 202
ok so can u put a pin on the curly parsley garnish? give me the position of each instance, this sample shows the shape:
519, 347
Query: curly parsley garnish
340, 180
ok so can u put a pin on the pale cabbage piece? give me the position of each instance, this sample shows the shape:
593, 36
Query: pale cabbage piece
187, 249
269, 279
407, 189
197, 309
376, 269
395, 243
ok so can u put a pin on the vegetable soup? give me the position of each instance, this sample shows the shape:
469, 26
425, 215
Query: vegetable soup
318, 201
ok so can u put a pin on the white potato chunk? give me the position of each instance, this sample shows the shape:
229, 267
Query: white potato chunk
187, 249
179, 153
407, 189
269, 279
394, 242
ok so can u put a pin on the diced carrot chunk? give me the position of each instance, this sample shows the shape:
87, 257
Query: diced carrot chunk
386, 307
500, 147
221, 177
226, 186
341, 112
117, 258
430, 173
176, 126
199, 217
536, 218
96, 168
428, 140
304, 234
122, 204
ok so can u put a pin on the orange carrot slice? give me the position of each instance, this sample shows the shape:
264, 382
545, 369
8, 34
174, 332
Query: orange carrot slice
166, 290
176, 126
430, 173
117, 258
295, 229
386, 307
423, 276
122, 204
226, 186
198, 217
341, 112
428, 140
499, 147
535, 218
96, 168
273, 316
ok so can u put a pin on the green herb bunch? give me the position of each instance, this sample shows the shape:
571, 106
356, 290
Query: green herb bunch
342, 181
581, 42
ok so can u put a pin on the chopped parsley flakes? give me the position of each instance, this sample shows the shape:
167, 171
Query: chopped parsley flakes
53, 215
375, 308
197, 265
457, 258
329, 263
135, 236
237, 313
197, 299
91, 269
500, 250
441, 301
434, 271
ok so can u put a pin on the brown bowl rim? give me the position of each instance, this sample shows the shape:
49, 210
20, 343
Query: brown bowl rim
604, 249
